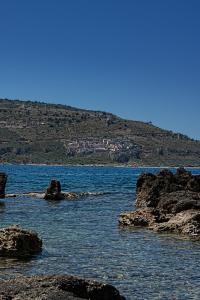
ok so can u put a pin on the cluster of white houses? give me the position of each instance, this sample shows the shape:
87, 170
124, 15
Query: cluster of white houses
92, 145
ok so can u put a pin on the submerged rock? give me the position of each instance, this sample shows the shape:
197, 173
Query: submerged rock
3, 180
78, 195
65, 195
53, 192
17, 242
167, 202
56, 287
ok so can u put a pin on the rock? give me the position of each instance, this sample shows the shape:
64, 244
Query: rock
78, 195
167, 202
137, 218
65, 195
54, 191
185, 222
3, 180
17, 242
56, 288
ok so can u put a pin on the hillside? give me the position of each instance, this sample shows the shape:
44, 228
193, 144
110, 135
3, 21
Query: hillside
34, 132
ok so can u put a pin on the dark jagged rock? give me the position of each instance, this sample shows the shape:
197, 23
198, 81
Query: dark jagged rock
54, 191
3, 180
17, 242
167, 202
56, 288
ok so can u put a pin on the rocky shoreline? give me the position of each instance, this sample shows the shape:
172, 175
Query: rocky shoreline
19, 243
62, 287
167, 202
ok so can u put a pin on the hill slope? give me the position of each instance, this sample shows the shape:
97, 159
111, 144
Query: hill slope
33, 132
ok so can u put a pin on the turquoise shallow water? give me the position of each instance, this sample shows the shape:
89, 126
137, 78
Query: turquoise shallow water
82, 237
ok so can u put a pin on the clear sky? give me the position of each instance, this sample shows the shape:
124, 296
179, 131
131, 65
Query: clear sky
139, 59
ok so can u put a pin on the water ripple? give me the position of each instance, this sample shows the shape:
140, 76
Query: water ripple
83, 237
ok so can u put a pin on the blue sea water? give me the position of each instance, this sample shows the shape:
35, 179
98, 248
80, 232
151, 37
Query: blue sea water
82, 237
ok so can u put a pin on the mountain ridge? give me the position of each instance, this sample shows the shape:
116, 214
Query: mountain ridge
33, 132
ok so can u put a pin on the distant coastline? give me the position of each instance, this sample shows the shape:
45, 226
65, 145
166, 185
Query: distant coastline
101, 165
52, 134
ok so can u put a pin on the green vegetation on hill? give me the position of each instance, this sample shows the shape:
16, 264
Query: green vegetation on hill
34, 132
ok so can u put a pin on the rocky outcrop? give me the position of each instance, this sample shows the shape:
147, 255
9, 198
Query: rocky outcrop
167, 202
53, 192
65, 195
17, 242
3, 180
56, 288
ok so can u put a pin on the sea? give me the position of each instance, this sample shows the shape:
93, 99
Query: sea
82, 237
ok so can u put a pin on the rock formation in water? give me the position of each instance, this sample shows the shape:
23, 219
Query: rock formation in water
17, 242
53, 192
67, 195
56, 287
167, 202
3, 180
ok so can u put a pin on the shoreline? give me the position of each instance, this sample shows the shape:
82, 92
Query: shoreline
101, 165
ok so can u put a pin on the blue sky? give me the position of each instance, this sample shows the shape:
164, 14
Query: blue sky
139, 59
